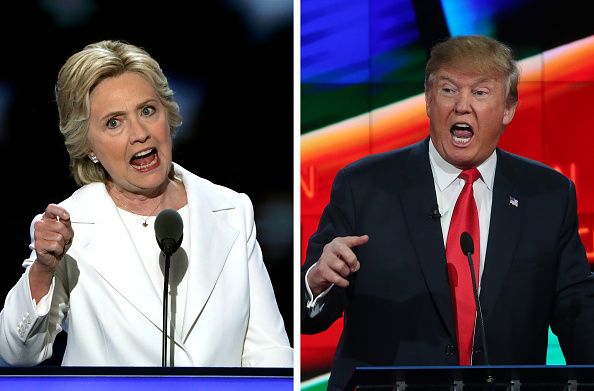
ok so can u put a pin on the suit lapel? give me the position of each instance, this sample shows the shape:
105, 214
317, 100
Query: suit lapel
112, 254
109, 249
504, 231
211, 241
418, 197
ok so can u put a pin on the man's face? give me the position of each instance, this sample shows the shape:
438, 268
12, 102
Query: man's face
467, 114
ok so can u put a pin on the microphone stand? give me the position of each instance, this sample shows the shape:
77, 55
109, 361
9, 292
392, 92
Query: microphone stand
165, 307
478, 306
169, 233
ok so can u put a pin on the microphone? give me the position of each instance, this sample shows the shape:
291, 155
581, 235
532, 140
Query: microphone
169, 231
435, 215
467, 246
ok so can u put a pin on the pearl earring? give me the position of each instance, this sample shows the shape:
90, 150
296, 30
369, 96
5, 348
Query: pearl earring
93, 158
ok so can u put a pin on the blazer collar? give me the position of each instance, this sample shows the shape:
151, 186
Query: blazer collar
417, 196
418, 199
212, 240
507, 212
102, 240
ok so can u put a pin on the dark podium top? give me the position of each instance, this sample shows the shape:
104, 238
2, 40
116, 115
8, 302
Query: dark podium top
494, 377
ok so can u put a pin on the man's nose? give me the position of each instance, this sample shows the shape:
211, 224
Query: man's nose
463, 103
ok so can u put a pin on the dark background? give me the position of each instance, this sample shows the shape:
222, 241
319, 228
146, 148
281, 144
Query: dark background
230, 63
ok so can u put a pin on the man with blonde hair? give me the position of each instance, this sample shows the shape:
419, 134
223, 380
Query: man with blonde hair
387, 253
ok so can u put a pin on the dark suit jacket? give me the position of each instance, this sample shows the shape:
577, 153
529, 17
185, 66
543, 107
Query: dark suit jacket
398, 308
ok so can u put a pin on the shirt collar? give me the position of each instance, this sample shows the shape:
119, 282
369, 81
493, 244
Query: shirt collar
444, 173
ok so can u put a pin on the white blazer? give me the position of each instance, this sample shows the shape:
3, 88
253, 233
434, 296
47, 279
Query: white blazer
105, 300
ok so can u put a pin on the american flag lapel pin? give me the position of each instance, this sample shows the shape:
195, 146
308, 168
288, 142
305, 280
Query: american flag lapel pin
513, 201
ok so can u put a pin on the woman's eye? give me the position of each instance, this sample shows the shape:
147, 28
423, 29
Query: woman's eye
148, 110
112, 123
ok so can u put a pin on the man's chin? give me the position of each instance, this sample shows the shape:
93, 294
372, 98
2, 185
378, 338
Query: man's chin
462, 160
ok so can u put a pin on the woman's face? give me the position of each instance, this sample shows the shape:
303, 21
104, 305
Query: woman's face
129, 133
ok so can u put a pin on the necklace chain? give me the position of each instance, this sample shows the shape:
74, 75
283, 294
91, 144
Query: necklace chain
144, 223
144, 220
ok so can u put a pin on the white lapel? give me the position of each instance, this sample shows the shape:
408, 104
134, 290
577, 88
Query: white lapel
211, 241
107, 248
105, 244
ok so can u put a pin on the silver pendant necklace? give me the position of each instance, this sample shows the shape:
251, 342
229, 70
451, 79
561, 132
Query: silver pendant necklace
144, 223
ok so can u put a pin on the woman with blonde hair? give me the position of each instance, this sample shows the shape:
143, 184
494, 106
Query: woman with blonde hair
95, 270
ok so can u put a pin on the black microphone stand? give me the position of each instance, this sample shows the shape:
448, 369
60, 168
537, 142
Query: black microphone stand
169, 234
478, 306
165, 307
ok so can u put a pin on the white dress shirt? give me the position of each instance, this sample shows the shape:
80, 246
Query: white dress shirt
448, 187
154, 260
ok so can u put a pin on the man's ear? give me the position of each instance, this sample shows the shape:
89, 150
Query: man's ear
508, 113
428, 103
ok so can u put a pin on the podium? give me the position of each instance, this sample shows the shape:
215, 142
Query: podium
494, 377
145, 379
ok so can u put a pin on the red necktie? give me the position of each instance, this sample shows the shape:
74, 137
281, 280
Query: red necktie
464, 218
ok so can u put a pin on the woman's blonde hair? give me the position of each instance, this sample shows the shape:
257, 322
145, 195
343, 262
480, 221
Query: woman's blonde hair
77, 78
478, 54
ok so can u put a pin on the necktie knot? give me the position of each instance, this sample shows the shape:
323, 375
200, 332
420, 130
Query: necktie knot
470, 175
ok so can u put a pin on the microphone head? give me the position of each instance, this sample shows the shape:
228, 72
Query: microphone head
466, 243
435, 215
169, 230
